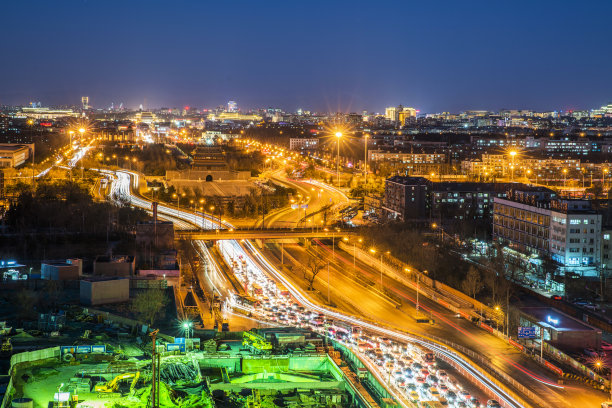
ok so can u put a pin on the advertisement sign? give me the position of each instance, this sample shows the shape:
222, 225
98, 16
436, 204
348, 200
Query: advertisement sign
526, 332
98, 348
175, 347
68, 349
83, 349
179, 340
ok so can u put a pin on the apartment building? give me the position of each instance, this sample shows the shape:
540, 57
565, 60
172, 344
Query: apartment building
536, 223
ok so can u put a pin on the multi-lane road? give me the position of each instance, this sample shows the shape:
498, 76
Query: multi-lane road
127, 183
357, 290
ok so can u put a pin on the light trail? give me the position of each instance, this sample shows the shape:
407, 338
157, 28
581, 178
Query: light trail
121, 188
403, 294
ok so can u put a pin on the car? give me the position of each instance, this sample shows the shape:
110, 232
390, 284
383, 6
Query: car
442, 374
414, 396
433, 392
464, 395
557, 297
424, 372
474, 403
451, 396
443, 388
432, 379
420, 380
461, 404
493, 404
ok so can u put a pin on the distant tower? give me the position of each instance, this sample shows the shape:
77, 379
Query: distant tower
232, 106
85, 102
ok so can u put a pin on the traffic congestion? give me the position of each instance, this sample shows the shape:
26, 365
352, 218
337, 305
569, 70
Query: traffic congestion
410, 369
255, 268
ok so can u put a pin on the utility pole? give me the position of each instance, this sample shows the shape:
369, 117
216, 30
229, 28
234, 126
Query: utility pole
154, 400
417, 297
507, 311
328, 302
541, 343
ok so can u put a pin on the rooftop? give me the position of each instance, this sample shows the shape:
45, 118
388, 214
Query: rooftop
550, 317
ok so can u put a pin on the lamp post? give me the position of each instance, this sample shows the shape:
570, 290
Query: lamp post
372, 250
564, 177
212, 209
365, 159
512, 155
187, 326
338, 136
178, 202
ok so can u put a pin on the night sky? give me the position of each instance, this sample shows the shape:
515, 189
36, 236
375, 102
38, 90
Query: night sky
318, 55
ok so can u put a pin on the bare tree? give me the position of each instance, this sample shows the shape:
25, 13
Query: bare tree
472, 282
313, 268
150, 303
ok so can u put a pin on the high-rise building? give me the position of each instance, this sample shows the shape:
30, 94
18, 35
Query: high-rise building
405, 114
85, 102
391, 113
232, 106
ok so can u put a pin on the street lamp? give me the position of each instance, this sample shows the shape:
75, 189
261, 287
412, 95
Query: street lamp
187, 326
564, 177
372, 250
512, 155
365, 159
338, 136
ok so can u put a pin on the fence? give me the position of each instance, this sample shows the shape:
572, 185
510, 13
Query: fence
26, 357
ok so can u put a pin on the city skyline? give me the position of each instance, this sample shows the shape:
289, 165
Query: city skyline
340, 57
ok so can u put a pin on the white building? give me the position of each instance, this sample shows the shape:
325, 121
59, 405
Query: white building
14, 155
567, 230
299, 143
575, 238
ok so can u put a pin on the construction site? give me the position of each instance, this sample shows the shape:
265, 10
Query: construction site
286, 367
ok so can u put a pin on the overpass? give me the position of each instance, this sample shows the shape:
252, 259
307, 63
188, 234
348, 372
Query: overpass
278, 233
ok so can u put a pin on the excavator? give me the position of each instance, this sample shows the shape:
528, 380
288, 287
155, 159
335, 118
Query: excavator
256, 342
113, 384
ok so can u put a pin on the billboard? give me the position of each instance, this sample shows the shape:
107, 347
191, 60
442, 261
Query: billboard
175, 347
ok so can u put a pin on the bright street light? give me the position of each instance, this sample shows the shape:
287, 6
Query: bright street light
338, 136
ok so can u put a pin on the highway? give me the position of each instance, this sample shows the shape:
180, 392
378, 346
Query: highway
345, 287
314, 195
263, 233
126, 182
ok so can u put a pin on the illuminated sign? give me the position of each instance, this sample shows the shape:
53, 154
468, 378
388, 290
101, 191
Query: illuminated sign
552, 321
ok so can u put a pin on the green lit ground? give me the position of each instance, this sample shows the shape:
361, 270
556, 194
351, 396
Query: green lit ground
275, 379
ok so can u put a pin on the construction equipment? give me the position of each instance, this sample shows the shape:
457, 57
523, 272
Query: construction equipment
7, 347
113, 385
256, 342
